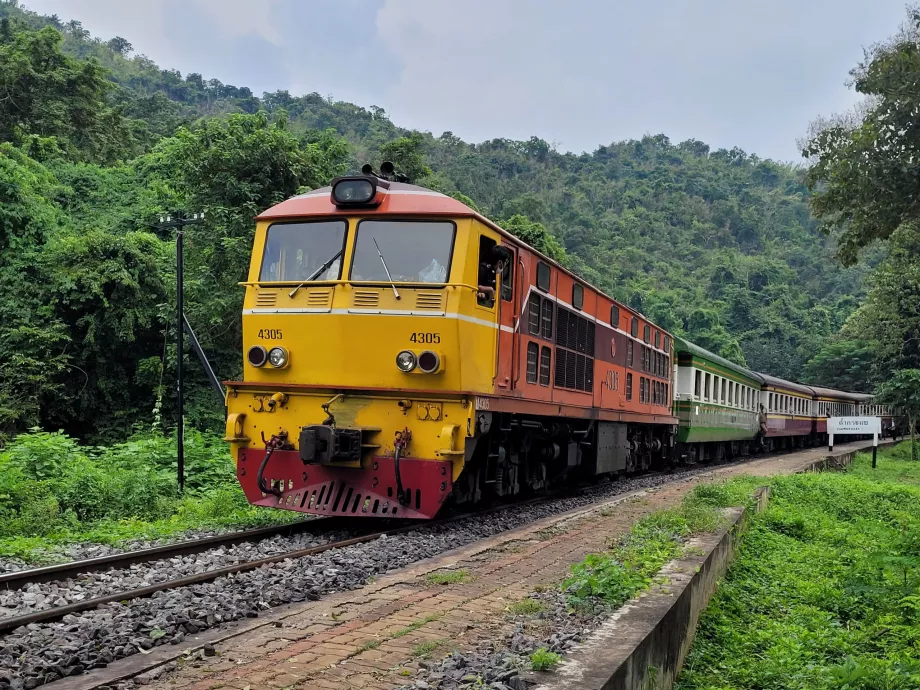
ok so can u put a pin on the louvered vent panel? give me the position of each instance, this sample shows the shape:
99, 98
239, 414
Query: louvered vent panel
366, 299
429, 300
319, 298
266, 299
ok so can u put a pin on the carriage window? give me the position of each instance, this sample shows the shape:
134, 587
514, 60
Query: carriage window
658, 339
533, 315
533, 353
578, 296
629, 386
615, 316
629, 353
296, 252
646, 334
707, 389
545, 361
543, 276
634, 327
698, 384
547, 319
667, 344
414, 251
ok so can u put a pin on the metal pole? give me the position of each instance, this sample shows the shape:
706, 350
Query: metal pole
180, 332
179, 222
208, 370
874, 448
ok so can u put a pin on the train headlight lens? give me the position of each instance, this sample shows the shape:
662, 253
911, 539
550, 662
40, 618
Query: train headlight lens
278, 357
257, 356
353, 191
429, 362
405, 361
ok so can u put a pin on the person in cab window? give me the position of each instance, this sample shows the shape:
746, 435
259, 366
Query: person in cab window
486, 286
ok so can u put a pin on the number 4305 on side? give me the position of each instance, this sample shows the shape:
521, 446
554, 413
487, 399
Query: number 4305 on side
425, 338
270, 334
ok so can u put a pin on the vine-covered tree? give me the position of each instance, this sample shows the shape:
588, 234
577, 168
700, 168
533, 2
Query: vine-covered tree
864, 166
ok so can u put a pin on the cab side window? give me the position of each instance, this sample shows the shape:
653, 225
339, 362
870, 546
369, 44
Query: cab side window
508, 279
487, 279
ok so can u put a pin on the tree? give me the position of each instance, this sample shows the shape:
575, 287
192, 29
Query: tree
534, 234
890, 315
121, 46
902, 392
407, 154
49, 94
864, 168
843, 364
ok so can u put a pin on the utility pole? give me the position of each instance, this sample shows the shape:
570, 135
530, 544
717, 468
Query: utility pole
179, 220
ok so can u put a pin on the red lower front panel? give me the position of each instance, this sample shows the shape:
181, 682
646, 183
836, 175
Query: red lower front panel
325, 490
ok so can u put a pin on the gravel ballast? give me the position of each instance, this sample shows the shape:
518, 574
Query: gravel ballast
43, 652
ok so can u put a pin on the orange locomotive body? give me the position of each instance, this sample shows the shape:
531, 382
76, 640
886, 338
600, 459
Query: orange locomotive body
402, 350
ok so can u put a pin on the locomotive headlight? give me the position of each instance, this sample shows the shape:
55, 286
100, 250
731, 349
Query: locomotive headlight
405, 361
257, 356
353, 191
278, 357
429, 362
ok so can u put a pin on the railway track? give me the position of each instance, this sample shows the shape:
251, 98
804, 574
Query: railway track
76, 569
98, 635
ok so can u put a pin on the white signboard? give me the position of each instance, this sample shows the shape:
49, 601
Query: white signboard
854, 425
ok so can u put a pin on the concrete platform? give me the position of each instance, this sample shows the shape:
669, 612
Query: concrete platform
369, 638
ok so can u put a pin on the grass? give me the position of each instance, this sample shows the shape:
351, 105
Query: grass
825, 591
630, 565
416, 625
449, 577
544, 660
424, 650
372, 644
526, 607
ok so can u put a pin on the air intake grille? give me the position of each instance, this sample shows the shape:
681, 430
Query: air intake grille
366, 299
574, 351
429, 300
266, 299
319, 298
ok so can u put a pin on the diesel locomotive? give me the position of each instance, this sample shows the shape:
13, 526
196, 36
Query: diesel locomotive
402, 350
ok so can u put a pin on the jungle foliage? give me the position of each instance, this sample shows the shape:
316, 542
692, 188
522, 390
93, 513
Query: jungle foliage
96, 142
864, 174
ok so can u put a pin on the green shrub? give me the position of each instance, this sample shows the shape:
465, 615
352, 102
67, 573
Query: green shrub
53, 491
544, 660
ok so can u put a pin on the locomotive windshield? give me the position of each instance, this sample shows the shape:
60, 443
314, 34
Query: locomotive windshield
413, 251
296, 252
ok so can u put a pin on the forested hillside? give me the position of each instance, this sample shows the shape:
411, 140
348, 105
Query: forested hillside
95, 142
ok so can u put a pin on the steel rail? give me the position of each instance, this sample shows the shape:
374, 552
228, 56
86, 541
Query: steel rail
10, 623
62, 571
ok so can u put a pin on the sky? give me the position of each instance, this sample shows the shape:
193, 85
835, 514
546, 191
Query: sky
578, 74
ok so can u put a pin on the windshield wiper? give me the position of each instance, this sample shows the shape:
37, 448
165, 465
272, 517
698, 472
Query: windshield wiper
316, 273
383, 261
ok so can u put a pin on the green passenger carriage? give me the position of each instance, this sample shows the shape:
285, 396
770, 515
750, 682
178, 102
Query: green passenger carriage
716, 401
